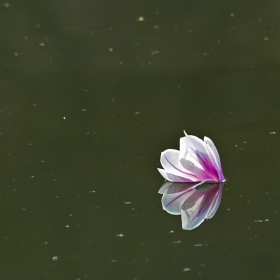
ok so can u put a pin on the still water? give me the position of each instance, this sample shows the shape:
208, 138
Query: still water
92, 92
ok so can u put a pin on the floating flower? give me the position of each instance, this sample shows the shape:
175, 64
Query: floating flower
196, 161
194, 202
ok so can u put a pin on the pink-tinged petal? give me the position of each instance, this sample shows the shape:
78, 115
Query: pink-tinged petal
213, 152
192, 165
170, 161
198, 154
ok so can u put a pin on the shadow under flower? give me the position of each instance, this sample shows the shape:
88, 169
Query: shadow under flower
195, 202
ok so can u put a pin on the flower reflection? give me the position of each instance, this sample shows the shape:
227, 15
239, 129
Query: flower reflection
194, 202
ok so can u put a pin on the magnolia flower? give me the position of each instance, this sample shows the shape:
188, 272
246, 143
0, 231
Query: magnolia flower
196, 161
194, 202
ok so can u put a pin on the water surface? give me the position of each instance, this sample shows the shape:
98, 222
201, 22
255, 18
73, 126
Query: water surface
92, 92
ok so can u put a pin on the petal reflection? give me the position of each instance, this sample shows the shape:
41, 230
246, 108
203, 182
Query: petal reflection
194, 202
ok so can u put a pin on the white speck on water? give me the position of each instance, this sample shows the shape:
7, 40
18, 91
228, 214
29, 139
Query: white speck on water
41, 44
266, 38
258, 221
38, 25
55, 258
155, 52
197, 245
190, 30
6, 5
171, 231
64, 118
111, 49
156, 26
137, 113
127, 202
120, 235
186, 269
113, 261
141, 18
67, 226
272, 132
228, 209
205, 54
231, 14
16, 54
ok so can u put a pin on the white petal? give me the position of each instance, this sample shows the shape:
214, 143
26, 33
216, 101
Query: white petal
192, 144
170, 160
183, 147
173, 178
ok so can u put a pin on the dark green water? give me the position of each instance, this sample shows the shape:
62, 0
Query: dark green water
92, 92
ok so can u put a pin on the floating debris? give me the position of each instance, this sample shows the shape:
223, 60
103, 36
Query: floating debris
141, 18
155, 52
186, 269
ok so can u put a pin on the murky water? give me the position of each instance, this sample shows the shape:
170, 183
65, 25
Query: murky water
92, 92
